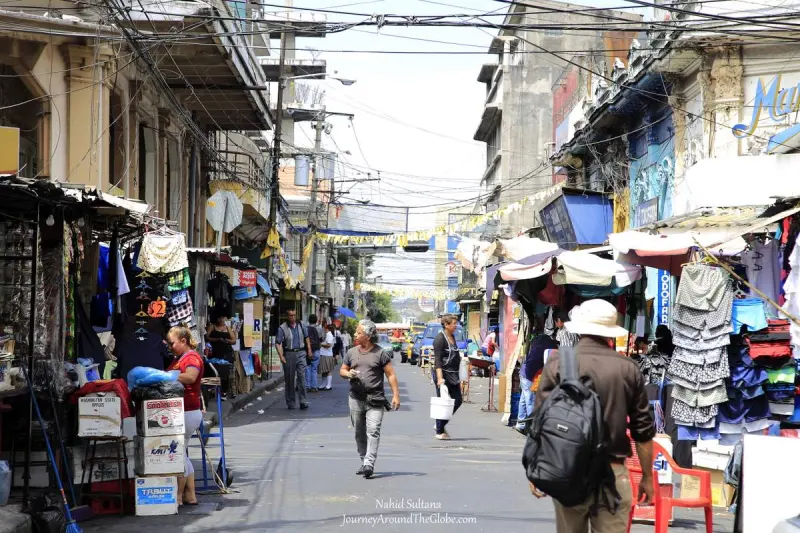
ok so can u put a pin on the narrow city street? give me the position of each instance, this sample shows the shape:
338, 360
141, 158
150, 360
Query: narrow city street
295, 471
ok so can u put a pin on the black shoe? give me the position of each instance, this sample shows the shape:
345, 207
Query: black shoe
360, 471
368, 471
290, 406
303, 406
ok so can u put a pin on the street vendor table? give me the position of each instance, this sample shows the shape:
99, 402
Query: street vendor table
479, 362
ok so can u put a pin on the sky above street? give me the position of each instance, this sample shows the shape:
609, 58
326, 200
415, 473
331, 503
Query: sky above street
415, 114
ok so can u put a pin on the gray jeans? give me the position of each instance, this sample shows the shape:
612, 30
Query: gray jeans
294, 373
367, 425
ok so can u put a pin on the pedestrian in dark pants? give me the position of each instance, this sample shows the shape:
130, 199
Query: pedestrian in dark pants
365, 366
294, 349
447, 362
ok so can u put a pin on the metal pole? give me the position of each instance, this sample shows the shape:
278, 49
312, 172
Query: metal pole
192, 188
276, 151
347, 292
311, 271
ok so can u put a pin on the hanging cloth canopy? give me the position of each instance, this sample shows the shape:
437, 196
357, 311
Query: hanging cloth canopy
583, 268
520, 248
665, 252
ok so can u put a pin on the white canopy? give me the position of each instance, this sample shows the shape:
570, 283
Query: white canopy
582, 268
522, 247
518, 271
647, 244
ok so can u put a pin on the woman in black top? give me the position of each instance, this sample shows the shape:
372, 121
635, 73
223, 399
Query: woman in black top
222, 340
447, 361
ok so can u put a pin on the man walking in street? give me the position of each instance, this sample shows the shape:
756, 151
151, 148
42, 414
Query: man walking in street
620, 387
294, 349
365, 365
315, 336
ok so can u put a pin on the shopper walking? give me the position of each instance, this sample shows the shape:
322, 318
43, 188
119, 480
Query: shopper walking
190, 364
621, 390
222, 340
346, 339
315, 335
531, 368
447, 362
366, 365
327, 363
294, 349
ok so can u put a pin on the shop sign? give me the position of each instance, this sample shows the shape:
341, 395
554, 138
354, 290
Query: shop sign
246, 278
647, 212
663, 303
450, 269
9, 150
780, 104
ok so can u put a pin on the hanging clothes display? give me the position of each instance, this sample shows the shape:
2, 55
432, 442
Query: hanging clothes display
701, 327
162, 253
763, 264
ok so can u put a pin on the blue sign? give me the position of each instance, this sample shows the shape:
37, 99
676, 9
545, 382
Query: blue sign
243, 293
664, 298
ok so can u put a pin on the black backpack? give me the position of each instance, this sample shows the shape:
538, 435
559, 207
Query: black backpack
314, 337
565, 455
338, 346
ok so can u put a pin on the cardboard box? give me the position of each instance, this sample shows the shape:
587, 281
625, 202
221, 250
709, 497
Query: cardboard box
721, 493
156, 496
160, 455
100, 416
102, 471
160, 417
709, 460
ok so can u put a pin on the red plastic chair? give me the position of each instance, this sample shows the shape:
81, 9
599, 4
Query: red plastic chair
664, 501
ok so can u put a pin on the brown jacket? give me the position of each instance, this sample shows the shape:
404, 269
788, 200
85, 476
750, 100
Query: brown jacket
619, 383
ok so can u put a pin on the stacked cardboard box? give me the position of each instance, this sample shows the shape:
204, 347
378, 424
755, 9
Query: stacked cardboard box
160, 452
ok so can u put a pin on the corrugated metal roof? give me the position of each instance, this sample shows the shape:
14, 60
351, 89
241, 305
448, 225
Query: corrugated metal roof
716, 217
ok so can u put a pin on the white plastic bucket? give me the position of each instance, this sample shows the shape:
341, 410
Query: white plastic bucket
442, 408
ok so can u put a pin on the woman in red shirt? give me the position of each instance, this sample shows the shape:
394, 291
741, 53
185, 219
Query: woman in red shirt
190, 364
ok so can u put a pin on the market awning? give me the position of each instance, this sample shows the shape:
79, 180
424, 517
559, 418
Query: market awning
520, 248
492, 274
665, 252
518, 271
582, 268
262, 282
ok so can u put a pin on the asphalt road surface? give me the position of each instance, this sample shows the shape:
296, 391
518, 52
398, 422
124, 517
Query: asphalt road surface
295, 471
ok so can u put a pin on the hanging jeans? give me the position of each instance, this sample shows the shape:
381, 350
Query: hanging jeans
311, 372
455, 393
526, 399
366, 422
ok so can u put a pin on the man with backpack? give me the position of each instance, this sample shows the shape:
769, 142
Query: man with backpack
589, 397
315, 336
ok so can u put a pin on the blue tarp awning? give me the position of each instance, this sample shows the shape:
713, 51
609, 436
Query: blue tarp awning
345, 312
262, 282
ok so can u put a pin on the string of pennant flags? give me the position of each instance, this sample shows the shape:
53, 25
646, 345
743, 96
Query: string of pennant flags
407, 292
464, 225
397, 239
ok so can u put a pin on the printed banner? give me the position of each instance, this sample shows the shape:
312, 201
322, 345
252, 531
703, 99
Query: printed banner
664, 299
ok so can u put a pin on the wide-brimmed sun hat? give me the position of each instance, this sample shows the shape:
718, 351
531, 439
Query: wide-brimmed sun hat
596, 317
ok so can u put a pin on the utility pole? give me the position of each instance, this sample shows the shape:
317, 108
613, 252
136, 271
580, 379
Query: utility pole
276, 152
347, 292
311, 272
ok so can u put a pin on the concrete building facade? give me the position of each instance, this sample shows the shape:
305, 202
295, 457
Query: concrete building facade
518, 116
